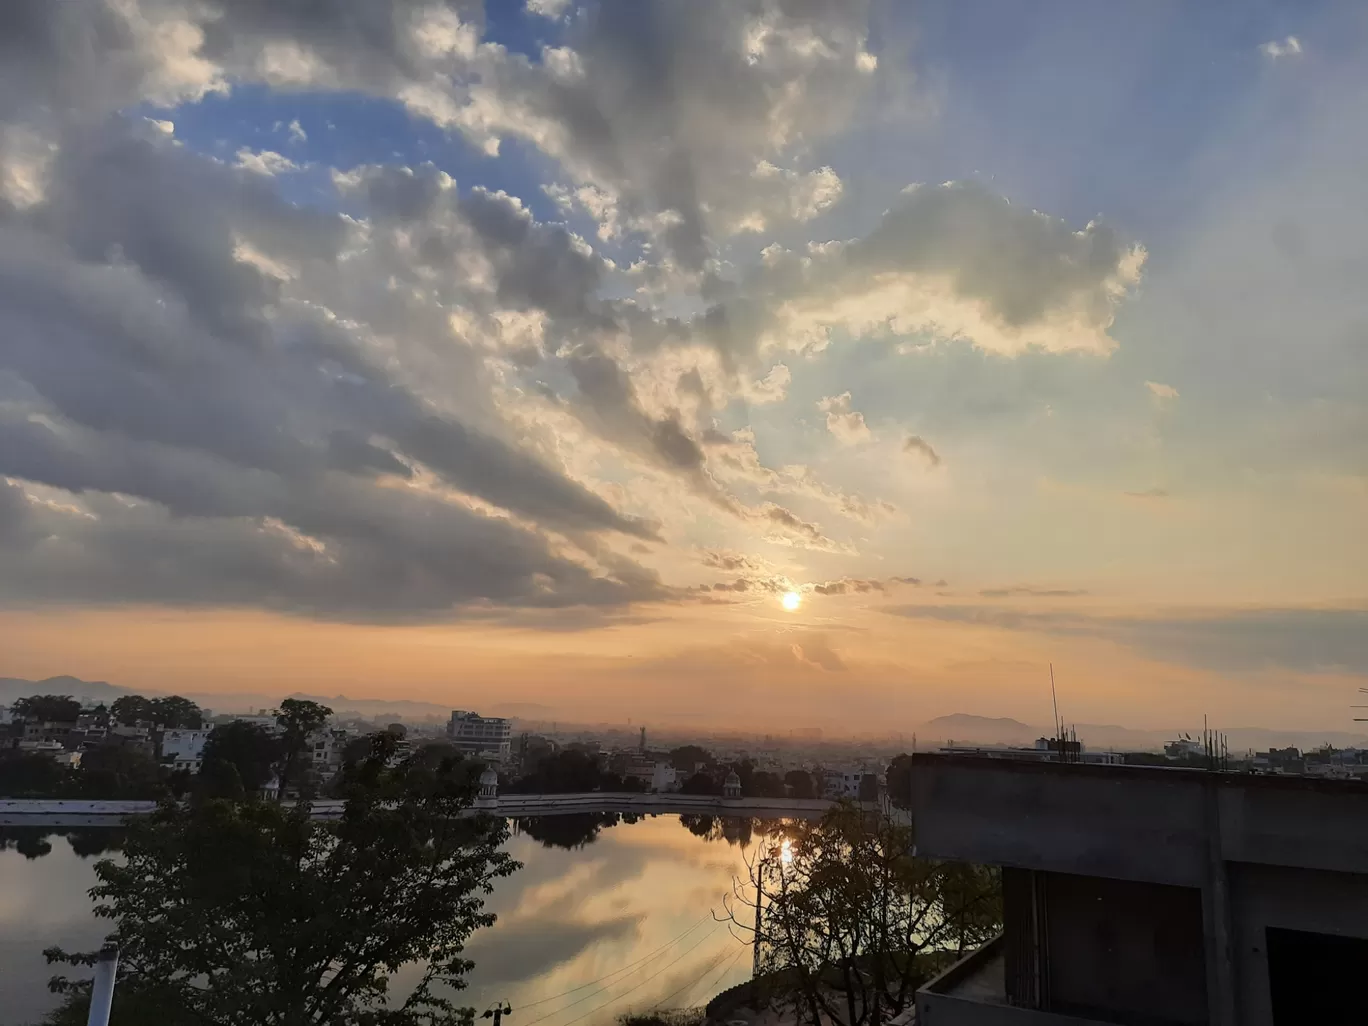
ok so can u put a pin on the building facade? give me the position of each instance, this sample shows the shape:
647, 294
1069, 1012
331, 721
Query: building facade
183, 749
1174, 897
485, 736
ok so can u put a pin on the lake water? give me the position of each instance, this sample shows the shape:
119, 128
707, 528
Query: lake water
634, 893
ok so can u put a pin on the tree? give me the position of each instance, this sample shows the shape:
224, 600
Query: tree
298, 718
119, 771
246, 913
176, 713
700, 783
869, 788
899, 778
172, 712
852, 922
47, 708
687, 758
247, 748
800, 783
130, 710
762, 784
30, 775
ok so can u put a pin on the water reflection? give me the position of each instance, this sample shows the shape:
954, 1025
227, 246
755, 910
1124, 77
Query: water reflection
609, 913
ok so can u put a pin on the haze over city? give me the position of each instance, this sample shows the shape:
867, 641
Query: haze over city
755, 363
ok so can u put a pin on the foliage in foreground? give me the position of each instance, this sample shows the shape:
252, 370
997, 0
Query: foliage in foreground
235, 913
852, 922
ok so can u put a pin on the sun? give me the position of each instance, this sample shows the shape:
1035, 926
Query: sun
791, 600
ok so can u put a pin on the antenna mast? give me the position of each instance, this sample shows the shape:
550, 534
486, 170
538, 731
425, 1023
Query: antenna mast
1055, 699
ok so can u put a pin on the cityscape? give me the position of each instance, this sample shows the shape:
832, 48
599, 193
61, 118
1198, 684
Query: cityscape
683, 513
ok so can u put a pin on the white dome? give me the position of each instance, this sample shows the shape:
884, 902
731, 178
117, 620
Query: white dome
489, 776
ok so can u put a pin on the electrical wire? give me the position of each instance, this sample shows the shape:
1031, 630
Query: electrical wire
618, 971
688, 987
619, 997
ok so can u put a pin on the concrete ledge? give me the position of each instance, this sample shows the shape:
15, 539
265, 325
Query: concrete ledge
972, 993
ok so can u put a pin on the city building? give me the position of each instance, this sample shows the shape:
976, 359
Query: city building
488, 736
1152, 894
324, 749
183, 749
842, 783
664, 778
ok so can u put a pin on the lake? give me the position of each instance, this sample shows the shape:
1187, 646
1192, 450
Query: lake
629, 902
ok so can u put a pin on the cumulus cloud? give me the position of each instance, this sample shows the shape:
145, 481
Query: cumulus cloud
266, 162
918, 445
1289, 46
846, 424
1160, 392
208, 436
951, 261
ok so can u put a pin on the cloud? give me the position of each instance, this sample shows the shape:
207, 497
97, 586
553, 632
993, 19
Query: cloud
267, 162
1160, 392
1310, 640
917, 444
846, 424
184, 424
950, 261
297, 133
1276, 48
1148, 493
1031, 590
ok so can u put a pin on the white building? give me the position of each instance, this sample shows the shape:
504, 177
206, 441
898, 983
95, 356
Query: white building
183, 749
324, 750
664, 778
473, 734
842, 783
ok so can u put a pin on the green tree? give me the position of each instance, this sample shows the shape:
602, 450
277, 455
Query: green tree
800, 783
177, 713
253, 914
688, 757
119, 771
899, 778
30, 775
130, 710
248, 748
172, 712
47, 708
298, 718
852, 922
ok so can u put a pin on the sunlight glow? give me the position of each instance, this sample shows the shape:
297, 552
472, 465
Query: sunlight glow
786, 851
791, 600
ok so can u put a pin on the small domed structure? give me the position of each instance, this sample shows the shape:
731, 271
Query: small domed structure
731, 787
489, 786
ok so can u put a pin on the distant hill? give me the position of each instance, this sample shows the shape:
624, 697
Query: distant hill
981, 730
88, 690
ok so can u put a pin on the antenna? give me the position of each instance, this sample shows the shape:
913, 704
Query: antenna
1055, 699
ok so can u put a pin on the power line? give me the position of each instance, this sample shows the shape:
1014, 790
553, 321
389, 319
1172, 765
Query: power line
688, 987
631, 990
618, 971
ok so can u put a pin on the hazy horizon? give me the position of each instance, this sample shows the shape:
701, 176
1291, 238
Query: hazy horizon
845, 362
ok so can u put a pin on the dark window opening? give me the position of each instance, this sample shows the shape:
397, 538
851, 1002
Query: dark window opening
1317, 977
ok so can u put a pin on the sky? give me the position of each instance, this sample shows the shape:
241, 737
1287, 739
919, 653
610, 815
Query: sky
765, 363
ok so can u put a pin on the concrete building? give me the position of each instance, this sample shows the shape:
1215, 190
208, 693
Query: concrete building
183, 749
664, 778
842, 783
473, 734
1152, 895
324, 750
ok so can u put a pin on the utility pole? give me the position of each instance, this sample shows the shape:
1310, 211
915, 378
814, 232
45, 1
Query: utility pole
498, 1012
102, 987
